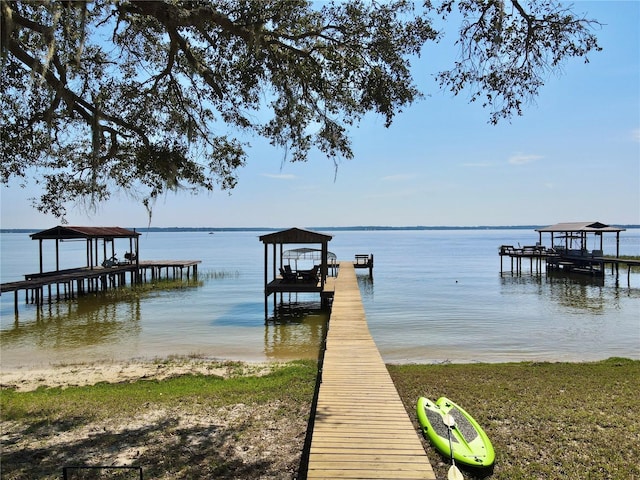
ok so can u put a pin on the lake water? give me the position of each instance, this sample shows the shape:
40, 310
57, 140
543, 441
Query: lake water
436, 295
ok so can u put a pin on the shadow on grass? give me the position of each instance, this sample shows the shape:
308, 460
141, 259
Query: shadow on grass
163, 448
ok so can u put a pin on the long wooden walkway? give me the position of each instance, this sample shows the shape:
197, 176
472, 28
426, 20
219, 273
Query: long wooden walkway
361, 429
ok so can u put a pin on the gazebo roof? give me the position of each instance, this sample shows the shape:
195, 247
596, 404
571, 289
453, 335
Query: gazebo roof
67, 232
587, 227
306, 254
295, 235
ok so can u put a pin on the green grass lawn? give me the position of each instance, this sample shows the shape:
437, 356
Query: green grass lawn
545, 420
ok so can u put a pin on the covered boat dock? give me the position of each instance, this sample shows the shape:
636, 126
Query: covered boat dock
573, 237
92, 236
568, 250
101, 270
280, 278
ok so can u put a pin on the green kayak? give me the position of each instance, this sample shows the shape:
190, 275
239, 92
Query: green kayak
471, 446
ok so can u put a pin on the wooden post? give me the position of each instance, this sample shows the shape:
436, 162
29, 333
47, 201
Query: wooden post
40, 243
266, 266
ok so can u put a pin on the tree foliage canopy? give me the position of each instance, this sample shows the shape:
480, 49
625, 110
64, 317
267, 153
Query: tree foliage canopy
148, 96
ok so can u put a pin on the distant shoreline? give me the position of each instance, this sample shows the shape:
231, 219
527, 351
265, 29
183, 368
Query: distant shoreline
331, 229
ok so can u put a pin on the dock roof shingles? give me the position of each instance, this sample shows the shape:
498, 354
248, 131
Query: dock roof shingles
64, 231
295, 235
580, 227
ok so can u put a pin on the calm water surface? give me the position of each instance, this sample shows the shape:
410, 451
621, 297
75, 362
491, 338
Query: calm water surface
435, 296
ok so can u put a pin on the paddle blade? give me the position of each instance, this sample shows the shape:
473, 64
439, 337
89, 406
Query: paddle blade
454, 473
448, 420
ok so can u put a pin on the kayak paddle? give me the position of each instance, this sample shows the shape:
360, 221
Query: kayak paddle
454, 472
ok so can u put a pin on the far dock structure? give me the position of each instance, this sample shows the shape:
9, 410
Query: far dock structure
364, 261
574, 237
535, 254
101, 269
92, 236
280, 278
568, 250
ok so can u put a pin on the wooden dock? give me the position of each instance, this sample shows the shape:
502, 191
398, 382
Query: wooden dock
536, 255
71, 283
568, 261
360, 428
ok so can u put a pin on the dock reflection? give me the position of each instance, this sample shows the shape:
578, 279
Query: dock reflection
81, 324
573, 291
296, 330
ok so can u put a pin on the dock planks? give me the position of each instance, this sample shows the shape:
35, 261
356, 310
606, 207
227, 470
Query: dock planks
361, 429
96, 279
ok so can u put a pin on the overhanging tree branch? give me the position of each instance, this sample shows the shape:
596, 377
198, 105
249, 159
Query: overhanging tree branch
150, 95
505, 55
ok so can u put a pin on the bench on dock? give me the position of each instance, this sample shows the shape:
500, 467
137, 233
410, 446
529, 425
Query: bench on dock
363, 260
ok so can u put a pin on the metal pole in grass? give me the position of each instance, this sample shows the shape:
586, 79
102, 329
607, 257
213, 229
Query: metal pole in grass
65, 470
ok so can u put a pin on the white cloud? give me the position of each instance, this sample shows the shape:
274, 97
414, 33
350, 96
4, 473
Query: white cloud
635, 134
522, 159
281, 176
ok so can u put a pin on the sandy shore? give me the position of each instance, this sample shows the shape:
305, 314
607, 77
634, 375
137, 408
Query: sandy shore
192, 439
30, 378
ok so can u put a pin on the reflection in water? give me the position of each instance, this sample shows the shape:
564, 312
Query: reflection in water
576, 292
296, 330
576, 278
579, 293
365, 282
86, 322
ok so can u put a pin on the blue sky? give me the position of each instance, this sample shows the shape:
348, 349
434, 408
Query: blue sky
573, 156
